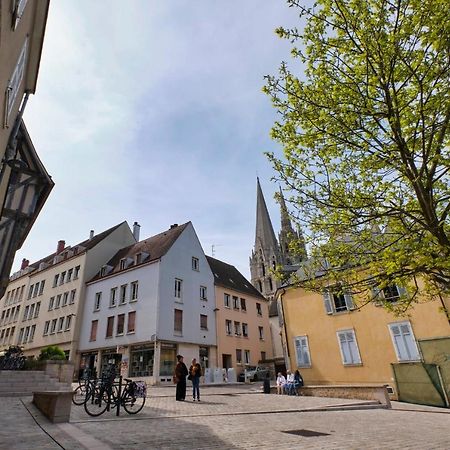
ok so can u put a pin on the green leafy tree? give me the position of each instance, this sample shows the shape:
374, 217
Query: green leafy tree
364, 126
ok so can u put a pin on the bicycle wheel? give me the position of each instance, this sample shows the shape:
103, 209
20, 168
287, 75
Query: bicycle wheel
79, 395
97, 400
132, 404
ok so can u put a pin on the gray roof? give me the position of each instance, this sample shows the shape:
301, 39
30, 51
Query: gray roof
228, 276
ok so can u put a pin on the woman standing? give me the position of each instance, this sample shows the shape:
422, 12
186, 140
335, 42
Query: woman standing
195, 372
180, 379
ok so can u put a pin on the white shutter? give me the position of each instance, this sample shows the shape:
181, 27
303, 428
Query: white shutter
343, 347
349, 347
15, 81
404, 342
327, 299
302, 351
349, 301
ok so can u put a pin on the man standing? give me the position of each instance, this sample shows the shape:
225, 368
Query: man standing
180, 378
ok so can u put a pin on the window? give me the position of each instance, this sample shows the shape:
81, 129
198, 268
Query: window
203, 322
94, 326
235, 302
390, 293
55, 280
110, 327
97, 301
203, 293
46, 327
237, 328
195, 263
244, 329
25, 314
302, 351
60, 324
263, 356
228, 327
349, 347
19, 340
238, 356
178, 321
69, 275
30, 291
32, 331
123, 294
261, 333
36, 311
123, 264
68, 322
72, 296
258, 309
76, 272
247, 356
112, 297
336, 301
138, 258
134, 291
51, 303
226, 300
25, 336
41, 287
131, 327
15, 81
58, 301
62, 278
178, 288
65, 298
243, 305
404, 341
120, 324
36, 290
53, 326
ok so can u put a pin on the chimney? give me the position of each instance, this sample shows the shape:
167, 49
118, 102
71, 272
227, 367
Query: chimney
25, 263
173, 226
60, 247
91, 234
136, 231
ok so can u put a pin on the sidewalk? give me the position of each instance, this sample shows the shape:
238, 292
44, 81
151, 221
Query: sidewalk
230, 417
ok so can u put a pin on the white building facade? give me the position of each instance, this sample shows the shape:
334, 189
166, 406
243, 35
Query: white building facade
151, 301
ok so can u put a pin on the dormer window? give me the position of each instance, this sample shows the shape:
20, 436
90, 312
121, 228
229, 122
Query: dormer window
138, 258
105, 270
123, 264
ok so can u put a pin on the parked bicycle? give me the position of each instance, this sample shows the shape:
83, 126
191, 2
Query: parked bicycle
84, 383
13, 359
108, 394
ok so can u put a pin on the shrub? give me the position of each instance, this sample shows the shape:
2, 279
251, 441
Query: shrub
52, 352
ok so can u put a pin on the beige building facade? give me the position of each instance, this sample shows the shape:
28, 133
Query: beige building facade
44, 301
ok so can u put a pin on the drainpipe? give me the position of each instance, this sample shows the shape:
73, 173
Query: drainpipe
285, 345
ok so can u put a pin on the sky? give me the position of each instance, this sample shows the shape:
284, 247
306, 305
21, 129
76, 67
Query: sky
152, 111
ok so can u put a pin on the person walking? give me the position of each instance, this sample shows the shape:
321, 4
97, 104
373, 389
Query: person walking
195, 372
180, 379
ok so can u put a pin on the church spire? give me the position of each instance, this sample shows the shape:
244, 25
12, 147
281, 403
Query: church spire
264, 236
287, 234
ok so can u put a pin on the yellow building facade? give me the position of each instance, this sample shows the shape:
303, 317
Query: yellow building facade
333, 342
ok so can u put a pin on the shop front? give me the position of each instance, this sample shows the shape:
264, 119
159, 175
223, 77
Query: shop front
111, 357
168, 357
142, 358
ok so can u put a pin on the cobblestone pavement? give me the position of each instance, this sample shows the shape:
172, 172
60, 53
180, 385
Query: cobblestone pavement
231, 417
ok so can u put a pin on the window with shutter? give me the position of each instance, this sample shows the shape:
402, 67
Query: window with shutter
336, 301
349, 347
302, 351
404, 342
131, 322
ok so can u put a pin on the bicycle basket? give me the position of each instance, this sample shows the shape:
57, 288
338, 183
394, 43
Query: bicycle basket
139, 389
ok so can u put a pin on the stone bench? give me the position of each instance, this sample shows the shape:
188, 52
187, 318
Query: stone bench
361, 392
55, 405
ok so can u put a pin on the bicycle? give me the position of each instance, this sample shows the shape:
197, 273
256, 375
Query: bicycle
13, 359
109, 395
79, 395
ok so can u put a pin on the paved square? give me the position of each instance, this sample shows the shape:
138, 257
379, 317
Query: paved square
232, 417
